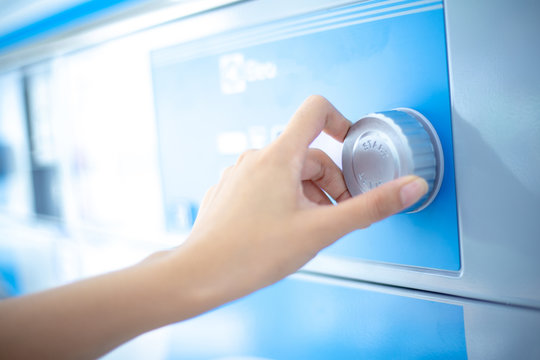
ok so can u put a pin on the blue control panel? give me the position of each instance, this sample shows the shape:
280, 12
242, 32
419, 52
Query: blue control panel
219, 96
298, 319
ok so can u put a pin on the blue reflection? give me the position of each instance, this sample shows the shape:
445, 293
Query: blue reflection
298, 319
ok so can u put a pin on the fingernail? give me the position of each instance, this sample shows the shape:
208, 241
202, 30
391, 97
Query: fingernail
412, 192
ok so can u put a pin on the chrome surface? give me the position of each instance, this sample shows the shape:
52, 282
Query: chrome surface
384, 146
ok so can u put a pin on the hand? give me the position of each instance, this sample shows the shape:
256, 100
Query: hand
265, 219
268, 215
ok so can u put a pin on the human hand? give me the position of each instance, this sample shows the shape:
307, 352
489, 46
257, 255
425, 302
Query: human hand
268, 215
265, 219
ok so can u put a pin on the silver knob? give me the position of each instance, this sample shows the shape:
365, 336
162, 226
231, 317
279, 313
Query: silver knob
386, 145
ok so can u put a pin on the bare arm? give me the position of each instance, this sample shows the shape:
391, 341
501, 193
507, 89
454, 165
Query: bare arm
265, 219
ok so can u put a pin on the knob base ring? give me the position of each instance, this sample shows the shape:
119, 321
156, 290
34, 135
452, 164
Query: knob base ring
439, 156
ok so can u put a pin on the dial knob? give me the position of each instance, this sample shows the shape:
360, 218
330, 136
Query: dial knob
386, 145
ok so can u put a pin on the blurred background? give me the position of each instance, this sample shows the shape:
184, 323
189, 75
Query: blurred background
80, 189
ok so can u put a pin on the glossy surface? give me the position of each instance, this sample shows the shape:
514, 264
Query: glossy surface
222, 95
298, 319
384, 146
495, 81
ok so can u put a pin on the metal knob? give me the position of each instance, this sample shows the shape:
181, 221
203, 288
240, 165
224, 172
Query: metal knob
386, 145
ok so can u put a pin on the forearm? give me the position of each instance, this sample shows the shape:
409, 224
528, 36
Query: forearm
267, 217
91, 317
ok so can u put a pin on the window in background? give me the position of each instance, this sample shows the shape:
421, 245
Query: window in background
44, 159
106, 131
15, 188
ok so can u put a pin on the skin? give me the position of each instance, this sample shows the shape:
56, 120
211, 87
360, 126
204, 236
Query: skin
264, 220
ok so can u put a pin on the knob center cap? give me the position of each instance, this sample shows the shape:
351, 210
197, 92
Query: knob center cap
375, 161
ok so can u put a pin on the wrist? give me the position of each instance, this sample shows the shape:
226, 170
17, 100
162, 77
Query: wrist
183, 284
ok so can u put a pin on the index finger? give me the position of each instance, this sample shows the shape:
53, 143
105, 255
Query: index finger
316, 114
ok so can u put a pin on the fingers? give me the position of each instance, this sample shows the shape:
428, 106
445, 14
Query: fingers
321, 170
314, 115
245, 155
314, 193
366, 209
208, 197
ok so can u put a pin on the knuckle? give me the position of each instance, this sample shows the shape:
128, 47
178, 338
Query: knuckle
364, 226
155, 256
325, 173
245, 155
224, 174
210, 191
318, 154
317, 100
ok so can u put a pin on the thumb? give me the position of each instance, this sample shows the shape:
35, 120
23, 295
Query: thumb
363, 210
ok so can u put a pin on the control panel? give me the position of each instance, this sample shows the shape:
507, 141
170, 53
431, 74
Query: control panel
221, 95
